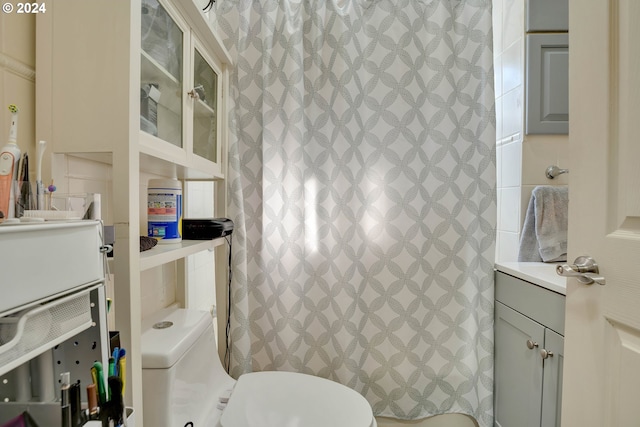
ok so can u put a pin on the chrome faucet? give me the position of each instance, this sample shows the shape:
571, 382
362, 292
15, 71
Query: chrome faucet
553, 171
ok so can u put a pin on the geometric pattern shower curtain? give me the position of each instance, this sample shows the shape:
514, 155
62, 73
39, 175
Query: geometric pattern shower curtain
362, 183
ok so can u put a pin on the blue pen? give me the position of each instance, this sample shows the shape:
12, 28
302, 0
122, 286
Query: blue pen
116, 356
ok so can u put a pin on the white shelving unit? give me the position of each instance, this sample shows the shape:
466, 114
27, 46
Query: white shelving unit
91, 68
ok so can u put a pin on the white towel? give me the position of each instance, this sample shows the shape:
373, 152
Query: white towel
544, 233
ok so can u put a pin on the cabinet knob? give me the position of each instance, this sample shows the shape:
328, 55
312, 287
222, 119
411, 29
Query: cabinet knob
546, 353
197, 93
531, 344
193, 94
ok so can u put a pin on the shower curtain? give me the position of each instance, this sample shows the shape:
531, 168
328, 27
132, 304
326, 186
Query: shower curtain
362, 186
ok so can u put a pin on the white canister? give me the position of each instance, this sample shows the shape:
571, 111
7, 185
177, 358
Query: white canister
164, 210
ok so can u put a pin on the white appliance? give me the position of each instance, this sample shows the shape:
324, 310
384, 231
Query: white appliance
184, 381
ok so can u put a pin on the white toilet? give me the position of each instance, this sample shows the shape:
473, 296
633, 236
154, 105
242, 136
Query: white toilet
184, 382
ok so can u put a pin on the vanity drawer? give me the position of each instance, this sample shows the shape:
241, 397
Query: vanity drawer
540, 304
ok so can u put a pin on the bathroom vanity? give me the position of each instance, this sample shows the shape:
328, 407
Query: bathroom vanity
529, 341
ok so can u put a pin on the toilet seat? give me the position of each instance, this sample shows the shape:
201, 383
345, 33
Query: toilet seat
287, 399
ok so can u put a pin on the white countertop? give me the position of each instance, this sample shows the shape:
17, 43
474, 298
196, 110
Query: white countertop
540, 273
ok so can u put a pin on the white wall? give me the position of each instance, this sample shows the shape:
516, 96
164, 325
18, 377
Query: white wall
199, 203
521, 159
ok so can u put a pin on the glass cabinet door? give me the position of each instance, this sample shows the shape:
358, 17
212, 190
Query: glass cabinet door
205, 110
161, 74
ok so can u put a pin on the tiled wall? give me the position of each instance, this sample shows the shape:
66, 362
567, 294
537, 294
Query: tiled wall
521, 159
199, 203
508, 50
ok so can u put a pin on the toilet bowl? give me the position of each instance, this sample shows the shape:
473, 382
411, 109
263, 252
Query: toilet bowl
183, 382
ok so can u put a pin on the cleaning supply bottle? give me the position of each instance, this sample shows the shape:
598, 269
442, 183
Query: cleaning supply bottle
9, 157
164, 210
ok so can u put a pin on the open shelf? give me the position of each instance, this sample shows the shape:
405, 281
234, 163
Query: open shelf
164, 253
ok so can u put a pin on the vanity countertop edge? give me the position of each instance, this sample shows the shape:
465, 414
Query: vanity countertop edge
539, 273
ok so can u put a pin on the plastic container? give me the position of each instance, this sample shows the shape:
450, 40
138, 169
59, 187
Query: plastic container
164, 210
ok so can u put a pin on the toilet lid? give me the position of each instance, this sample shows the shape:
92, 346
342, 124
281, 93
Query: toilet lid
286, 399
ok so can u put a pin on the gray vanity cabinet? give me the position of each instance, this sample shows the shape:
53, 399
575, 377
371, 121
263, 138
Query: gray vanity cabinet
529, 323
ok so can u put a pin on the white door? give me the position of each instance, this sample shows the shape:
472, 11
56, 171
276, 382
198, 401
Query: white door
602, 335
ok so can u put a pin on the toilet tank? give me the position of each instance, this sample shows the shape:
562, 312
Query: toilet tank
182, 376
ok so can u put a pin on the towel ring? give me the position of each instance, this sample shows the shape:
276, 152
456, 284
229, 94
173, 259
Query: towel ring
553, 171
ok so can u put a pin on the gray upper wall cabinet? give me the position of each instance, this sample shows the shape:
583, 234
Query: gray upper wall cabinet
547, 15
547, 83
547, 67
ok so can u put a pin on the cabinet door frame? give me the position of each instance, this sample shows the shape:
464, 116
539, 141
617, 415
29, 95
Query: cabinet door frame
156, 146
552, 380
216, 65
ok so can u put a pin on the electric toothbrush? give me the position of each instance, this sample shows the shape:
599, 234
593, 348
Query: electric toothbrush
9, 157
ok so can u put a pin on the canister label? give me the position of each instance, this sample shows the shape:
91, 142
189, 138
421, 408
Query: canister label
164, 215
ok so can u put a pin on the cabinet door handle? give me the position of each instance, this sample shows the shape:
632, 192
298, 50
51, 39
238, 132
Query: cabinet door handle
546, 353
531, 344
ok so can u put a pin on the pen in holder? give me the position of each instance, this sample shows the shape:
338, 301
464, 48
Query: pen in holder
113, 409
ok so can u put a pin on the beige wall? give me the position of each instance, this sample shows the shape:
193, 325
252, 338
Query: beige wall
17, 78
